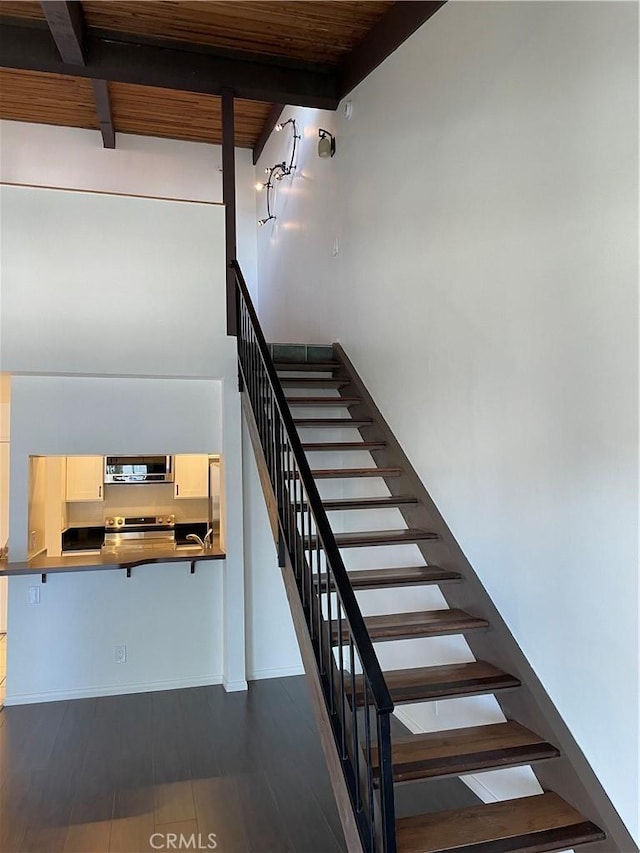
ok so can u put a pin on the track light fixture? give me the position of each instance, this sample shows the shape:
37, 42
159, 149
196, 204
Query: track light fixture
280, 170
326, 143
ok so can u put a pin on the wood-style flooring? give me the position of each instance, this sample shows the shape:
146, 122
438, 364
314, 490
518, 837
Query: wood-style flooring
99, 775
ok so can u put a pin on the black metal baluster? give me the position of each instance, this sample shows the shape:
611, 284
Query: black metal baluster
319, 570
343, 733
309, 565
369, 760
312, 571
282, 480
385, 767
332, 701
319, 603
288, 494
354, 724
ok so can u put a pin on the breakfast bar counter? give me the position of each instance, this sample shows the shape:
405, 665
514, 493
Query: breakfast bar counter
105, 560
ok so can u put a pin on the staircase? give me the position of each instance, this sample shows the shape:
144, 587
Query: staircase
307, 406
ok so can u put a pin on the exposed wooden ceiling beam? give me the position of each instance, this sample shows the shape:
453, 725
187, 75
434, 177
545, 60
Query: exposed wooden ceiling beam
66, 23
172, 66
103, 110
269, 123
229, 201
402, 19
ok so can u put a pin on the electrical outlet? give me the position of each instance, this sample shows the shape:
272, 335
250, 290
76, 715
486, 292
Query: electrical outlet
121, 654
33, 539
34, 595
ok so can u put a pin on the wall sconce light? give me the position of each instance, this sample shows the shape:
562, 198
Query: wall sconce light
326, 143
280, 170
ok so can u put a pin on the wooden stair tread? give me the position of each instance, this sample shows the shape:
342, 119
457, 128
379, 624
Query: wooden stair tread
323, 401
404, 576
535, 824
306, 365
458, 751
332, 423
426, 683
401, 576
312, 382
422, 623
380, 537
387, 501
337, 446
331, 473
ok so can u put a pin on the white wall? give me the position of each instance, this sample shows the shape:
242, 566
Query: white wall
98, 283
156, 240
172, 629
64, 647
272, 648
484, 198
163, 264
5, 435
154, 498
73, 158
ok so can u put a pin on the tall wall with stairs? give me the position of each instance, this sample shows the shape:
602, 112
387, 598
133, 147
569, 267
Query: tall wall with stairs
473, 244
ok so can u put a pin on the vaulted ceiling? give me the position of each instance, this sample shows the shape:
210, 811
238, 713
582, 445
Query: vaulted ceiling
158, 67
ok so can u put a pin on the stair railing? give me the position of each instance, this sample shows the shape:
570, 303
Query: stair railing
355, 692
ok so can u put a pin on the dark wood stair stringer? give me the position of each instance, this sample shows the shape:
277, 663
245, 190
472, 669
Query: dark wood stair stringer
570, 775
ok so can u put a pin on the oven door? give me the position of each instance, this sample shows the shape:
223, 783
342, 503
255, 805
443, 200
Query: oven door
138, 469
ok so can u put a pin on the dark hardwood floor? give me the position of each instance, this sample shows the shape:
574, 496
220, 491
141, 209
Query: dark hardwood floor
98, 775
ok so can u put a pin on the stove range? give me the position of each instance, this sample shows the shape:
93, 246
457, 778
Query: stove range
136, 532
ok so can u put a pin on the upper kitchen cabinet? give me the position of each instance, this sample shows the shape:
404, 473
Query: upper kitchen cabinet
191, 475
85, 478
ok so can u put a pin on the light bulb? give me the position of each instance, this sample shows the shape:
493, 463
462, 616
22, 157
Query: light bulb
259, 186
279, 127
267, 171
260, 221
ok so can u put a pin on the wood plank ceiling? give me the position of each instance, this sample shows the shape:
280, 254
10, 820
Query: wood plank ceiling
319, 32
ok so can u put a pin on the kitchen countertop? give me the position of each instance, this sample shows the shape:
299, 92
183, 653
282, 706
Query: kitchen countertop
98, 560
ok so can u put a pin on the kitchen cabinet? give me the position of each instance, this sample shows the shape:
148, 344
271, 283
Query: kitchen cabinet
85, 478
191, 475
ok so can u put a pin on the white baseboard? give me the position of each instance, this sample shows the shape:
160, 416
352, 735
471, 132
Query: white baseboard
235, 686
112, 690
277, 672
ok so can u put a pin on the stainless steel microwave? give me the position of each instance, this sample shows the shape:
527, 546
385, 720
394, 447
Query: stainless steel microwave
138, 469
